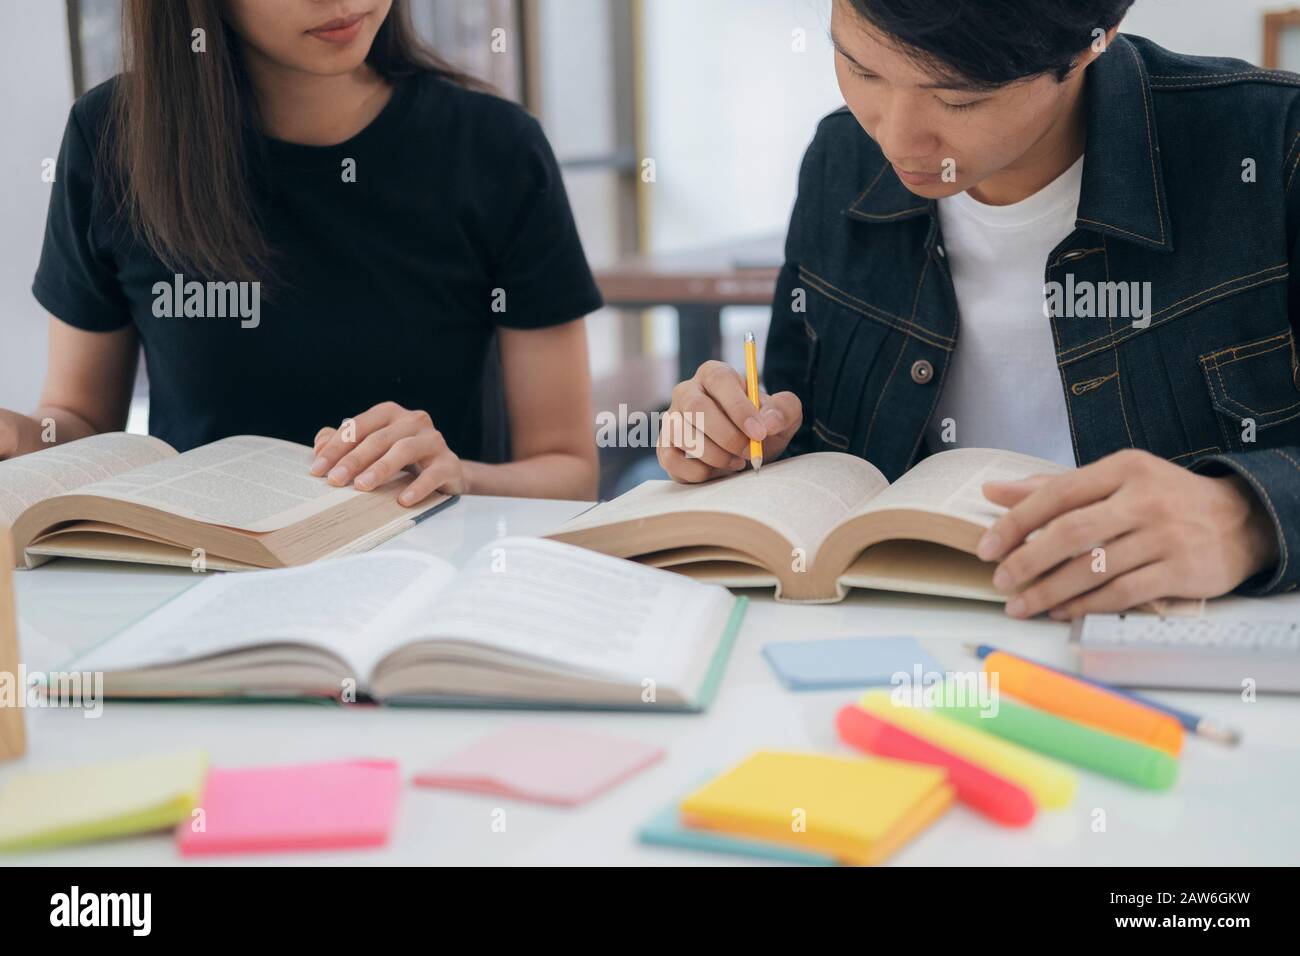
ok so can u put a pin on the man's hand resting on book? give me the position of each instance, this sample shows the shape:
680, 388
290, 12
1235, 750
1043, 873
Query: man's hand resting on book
1122, 531
707, 429
373, 447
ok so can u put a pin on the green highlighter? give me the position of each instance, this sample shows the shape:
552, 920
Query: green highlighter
1095, 750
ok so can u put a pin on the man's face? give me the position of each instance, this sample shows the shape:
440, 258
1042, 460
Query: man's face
941, 140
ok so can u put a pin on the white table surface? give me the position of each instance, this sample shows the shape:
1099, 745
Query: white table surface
1231, 806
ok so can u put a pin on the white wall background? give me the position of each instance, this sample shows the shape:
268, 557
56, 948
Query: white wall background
1205, 27
35, 94
730, 108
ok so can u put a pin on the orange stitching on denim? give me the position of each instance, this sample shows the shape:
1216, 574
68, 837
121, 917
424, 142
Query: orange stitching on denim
1251, 355
1155, 179
1136, 332
1061, 355
894, 322
866, 307
1229, 399
1151, 153
1295, 464
1069, 409
1213, 356
1135, 235
1074, 256
870, 186
902, 347
863, 195
1280, 78
830, 436
1268, 502
1260, 490
1291, 179
1083, 388
1119, 385
892, 215
1200, 451
1281, 74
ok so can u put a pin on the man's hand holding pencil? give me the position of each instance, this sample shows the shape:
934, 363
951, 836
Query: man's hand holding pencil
717, 400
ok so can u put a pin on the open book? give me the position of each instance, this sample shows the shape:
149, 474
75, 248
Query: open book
817, 524
525, 622
235, 504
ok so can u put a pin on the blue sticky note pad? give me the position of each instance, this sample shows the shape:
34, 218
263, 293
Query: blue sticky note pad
665, 829
842, 662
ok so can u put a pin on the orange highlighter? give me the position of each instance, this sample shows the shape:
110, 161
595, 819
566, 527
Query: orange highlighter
995, 797
1062, 695
751, 385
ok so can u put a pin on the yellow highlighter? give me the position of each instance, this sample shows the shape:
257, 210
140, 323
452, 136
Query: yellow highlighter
1051, 785
751, 385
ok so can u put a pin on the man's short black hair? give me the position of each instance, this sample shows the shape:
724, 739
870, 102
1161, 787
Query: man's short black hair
990, 43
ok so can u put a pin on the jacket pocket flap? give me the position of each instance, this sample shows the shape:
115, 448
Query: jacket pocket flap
1258, 380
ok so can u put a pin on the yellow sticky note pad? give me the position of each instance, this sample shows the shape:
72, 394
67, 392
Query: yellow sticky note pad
93, 803
859, 810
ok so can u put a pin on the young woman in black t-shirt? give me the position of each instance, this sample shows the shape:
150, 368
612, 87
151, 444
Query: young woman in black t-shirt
305, 218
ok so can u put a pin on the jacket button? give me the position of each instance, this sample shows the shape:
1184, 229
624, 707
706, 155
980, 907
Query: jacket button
922, 372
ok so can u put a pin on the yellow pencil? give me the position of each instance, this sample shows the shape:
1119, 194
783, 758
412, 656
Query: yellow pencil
751, 383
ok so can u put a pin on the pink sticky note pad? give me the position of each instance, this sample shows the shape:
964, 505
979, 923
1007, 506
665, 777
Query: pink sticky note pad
318, 806
546, 764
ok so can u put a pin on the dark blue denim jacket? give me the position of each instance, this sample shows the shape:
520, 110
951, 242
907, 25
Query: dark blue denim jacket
865, 318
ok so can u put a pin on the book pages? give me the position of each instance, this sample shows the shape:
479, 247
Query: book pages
802, 498
250, 483
345, 606
951, 482
576, 610
60, 469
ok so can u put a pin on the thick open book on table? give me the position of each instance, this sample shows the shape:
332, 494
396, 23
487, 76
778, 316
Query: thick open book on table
238, 503
526, 622
817, 524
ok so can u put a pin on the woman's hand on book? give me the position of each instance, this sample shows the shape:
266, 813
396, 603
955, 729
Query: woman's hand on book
367, 451
8, 434
706, 431
1123, 531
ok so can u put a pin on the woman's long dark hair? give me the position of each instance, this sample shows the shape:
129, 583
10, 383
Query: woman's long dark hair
177, 147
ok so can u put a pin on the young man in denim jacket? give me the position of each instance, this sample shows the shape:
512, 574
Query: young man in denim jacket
1028, 231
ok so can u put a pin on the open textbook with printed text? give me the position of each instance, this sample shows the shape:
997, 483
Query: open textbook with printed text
239, 503
525, 622
816, 525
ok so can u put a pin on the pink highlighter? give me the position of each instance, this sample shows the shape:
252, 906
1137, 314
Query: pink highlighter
995, 797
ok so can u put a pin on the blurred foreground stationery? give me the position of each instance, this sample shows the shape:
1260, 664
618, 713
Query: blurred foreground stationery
524, 622
242, 502
858, 810
1074, 699
840, 662
1051, 785
996, 797
548, 764
92, 803
665, 829
1075, 743
13, 733
321, 806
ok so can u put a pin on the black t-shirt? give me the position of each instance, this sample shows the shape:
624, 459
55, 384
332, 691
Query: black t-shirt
387, 288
